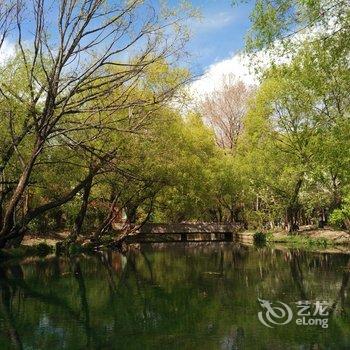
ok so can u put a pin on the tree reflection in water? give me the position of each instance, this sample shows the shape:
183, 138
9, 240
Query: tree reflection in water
170, 296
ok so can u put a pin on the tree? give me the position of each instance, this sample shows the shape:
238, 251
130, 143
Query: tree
224, 109
296, 139
278, 22
72, 65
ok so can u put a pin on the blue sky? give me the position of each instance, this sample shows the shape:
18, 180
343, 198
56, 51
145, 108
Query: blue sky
216, 39
220, 34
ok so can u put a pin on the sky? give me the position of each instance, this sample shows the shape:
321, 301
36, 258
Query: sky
220, 33
217, 38
217, 43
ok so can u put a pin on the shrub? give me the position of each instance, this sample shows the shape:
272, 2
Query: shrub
43, 249
341, 217
259, 238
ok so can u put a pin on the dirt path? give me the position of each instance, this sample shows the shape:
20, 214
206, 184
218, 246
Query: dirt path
50, 238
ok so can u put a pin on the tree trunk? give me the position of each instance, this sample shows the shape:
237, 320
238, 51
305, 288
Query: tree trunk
58, 216
292, 219
18, 230
14, 238
8, 224
293, 208
107, 222
131, 213
79, 220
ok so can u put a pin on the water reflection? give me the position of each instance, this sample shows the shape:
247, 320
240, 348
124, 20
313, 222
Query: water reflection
173, 297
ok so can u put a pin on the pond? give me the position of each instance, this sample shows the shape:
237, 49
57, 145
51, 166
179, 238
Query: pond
178, 296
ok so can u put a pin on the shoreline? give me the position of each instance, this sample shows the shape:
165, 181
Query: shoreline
327, 240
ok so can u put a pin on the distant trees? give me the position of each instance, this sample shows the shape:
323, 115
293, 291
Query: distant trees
224, 110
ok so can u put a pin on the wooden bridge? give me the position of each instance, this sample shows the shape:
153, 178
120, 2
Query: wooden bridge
189, 232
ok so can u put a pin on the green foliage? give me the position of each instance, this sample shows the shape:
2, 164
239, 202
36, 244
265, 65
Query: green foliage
295, 144
277, 21
43, 249
259, 238
151, 161
341, 216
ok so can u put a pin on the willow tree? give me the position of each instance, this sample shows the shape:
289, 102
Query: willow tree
73, 56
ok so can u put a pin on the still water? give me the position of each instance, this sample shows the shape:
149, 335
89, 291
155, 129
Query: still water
175, 297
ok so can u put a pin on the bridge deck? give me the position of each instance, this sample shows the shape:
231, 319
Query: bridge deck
188, 228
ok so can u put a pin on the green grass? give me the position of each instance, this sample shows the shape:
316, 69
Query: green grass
304, 241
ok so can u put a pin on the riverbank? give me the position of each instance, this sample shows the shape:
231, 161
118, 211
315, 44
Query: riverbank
306, 237
310, 238
327, 234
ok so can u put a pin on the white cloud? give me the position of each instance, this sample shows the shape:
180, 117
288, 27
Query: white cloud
240, 65
244, 67
237, 66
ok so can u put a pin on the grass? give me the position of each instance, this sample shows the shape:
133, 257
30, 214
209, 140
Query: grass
298, 241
